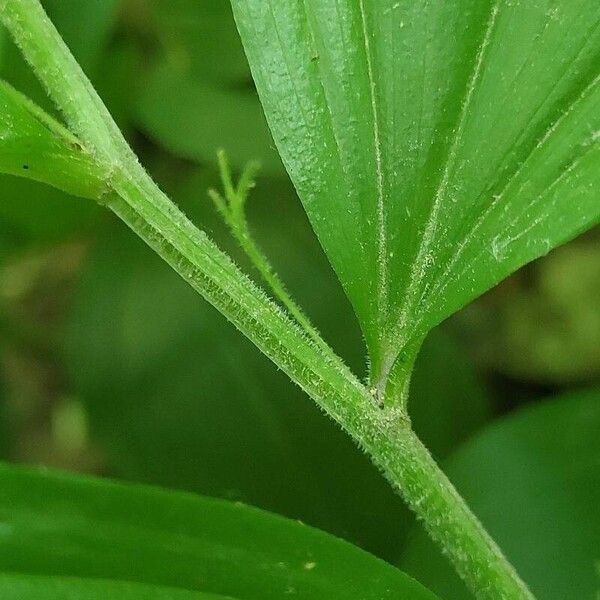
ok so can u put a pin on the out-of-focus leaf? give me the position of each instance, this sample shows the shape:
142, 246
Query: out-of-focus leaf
215, 104
34, 587
118, 80
35, 146
544, 324
4, 429
63, 525
534, 481
233, 426
33, 213
448, 401
436, 146
202, 117
85, 26
201, 37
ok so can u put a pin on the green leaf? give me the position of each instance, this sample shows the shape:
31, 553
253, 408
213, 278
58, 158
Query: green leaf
5, 431
201, 38
534, 481
33, 214
32, 587
34, 145
157, 409
216, 105
203, 117
449, 401
63, 525
85, 26
436, 146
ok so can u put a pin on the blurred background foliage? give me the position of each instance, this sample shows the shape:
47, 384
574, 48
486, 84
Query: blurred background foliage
110, 364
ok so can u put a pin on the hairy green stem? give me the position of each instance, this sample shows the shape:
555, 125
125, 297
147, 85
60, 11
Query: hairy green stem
384, 433
233, 210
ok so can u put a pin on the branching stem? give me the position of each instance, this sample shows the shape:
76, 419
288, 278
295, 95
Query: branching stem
232, 208
384, 433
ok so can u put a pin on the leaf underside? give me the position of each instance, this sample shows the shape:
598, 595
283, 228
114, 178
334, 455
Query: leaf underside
437, 145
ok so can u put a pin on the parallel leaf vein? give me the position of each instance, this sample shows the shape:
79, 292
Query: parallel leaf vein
419, 264
469, 237
382, 254
443, 281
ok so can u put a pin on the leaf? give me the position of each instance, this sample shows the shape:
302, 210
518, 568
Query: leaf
533, 479
33, 213
201, 37
158, 410
203, 117
216, 105
26, 587
5, 431
85, 26
449, 401
63, 525
34, 145
437, 146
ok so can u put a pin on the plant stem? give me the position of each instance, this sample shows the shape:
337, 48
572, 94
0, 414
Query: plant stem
233, 210
384, 433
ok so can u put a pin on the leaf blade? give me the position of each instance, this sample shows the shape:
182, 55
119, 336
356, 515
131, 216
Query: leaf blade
35, 587
394, 120
58, 524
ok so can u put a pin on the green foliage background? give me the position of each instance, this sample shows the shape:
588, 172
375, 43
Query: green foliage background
109, 364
